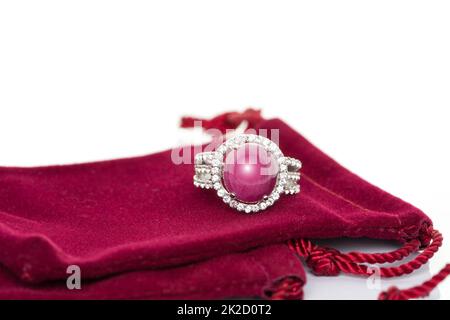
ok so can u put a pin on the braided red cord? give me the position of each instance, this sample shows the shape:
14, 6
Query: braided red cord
330, 262
289, 288
326, 261
385, 257
422, 290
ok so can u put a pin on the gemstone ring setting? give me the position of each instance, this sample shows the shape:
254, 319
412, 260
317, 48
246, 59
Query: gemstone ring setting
249, 172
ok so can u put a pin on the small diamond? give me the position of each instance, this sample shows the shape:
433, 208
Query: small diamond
226, 199
283, 167
263, 205
240, 139
273, 147
255, 208
222, 149
217, 186
207, 158
215, 163
215, 178
233, 203
275, 196
221, 192
280, 189
248, 209
215, 170
240, 207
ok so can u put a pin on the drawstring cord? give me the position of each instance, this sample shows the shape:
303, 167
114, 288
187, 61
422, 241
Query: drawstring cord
225, 121
330, 262
423, 290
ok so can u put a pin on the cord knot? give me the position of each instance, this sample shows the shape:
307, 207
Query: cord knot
425, 235
322, 261
393, 293
288, 288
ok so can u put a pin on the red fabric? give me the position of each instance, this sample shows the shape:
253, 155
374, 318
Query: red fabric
132, 214
238, 275
226, 121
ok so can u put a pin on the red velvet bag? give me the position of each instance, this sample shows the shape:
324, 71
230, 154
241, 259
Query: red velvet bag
141, 218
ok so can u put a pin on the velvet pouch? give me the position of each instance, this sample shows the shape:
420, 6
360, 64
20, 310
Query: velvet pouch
136, 214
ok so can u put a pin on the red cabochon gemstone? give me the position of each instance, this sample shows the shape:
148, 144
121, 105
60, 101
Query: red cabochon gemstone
250, 172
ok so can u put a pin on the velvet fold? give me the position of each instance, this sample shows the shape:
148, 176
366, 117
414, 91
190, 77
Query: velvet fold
250, 274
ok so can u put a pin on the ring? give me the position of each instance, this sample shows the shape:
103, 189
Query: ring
249, 172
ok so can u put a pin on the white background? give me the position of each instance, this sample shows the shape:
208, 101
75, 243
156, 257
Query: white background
366, 81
